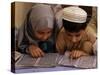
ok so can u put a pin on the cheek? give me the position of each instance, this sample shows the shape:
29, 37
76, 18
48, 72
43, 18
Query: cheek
38, 36
69, 37
49, 34
79, 38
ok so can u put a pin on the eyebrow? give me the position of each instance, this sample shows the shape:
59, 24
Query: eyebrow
72, 35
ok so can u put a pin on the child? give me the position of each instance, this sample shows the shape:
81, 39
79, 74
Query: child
37, 35
75, 35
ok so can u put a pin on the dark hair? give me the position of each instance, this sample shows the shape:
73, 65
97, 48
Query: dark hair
73, 27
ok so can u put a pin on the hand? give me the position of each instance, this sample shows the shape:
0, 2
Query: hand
77, 53
35, 51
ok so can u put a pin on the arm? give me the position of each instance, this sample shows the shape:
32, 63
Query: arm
87, 45
23, 46
91, 35
31, 49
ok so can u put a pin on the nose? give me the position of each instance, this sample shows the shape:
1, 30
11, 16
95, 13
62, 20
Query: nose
45, 37
74, 39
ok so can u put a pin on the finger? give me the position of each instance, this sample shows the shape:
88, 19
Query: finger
41, 52
80, 53
77, 54
31, 51
32, 54
35, 53
71, 55
38, 52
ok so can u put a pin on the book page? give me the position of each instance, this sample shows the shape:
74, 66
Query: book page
17, 55
66, 61
49, 60
26, 61
87, 62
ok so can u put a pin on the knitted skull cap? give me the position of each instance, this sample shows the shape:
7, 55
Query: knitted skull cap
74, 14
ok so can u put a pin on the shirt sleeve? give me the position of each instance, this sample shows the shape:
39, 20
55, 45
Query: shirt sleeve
23, 46
91, 38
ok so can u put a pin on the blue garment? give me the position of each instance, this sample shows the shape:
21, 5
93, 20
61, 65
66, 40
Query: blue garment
47, 46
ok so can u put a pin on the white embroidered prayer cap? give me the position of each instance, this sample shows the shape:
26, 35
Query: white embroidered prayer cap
74, 14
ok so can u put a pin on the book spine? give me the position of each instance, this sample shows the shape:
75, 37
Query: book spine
13, 37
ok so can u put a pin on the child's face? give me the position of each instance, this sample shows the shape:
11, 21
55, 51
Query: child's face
75, 36
44, 34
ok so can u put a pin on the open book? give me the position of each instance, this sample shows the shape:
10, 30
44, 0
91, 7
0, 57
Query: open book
54, 59
82, 62
49, 60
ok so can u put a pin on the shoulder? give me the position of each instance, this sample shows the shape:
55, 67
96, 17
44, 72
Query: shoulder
91, 34
90, 31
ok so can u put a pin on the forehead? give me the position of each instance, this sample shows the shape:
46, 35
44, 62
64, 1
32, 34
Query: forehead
45, 30
74, 33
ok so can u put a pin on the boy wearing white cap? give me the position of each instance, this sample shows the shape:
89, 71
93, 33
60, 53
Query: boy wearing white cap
75, 35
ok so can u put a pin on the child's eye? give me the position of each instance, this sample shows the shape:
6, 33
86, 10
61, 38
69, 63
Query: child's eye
40, 32
69, 34
49, 32
77, 35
